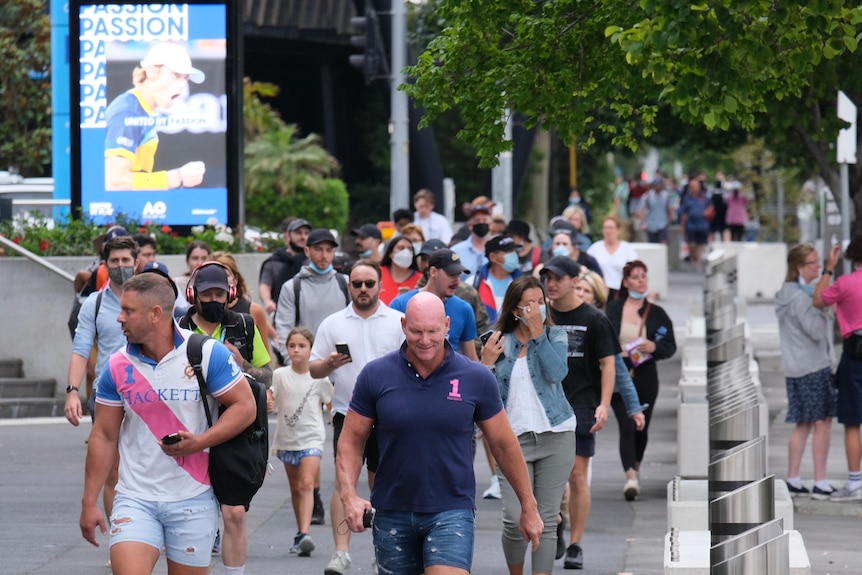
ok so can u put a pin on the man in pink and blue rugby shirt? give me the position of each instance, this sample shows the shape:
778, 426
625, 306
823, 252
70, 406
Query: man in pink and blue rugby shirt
150, 406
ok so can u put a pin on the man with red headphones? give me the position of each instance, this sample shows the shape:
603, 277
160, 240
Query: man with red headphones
209, 292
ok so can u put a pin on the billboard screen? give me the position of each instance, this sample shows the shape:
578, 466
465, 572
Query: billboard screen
151, 112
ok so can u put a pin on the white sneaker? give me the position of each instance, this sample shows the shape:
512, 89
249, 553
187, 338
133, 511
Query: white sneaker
493, 491
845, 494
339, 564
632, 489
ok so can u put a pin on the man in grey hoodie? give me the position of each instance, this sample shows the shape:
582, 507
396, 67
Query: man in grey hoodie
316, 292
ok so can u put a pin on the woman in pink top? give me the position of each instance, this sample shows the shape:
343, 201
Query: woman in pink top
846, 294
737, 215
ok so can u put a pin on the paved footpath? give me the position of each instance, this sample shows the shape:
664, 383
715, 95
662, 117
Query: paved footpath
41, 478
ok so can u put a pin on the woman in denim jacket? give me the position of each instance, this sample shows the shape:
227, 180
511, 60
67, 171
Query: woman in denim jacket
528, 356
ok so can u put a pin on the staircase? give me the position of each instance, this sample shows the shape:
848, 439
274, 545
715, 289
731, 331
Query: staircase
22, 397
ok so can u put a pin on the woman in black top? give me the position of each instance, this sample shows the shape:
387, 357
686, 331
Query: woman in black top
646, 335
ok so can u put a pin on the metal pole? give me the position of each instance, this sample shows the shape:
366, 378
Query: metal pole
399, 194
845, 212
779, 181
501, 174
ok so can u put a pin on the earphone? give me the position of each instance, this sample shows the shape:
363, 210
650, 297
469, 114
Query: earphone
190, 288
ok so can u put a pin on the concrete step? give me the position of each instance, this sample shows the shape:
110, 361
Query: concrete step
11, 367
31, 407
19, 387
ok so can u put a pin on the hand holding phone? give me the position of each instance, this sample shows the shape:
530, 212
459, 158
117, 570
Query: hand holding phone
343, 349
171, 439
368, 518
492, 351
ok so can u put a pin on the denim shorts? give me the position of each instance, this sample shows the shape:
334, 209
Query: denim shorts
294, 457
186, 528
407, 543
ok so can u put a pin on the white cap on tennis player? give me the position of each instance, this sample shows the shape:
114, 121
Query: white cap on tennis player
174, 57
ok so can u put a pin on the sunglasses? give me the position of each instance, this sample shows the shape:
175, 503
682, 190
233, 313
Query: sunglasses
368, 283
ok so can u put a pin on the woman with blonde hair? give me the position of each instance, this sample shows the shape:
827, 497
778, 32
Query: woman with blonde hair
578, 218
806, 358
612, 253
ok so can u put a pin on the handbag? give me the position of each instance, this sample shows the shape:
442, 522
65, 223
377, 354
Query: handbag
237, 467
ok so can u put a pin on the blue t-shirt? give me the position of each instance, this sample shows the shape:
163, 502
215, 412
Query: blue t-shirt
424, 428
693, 209
462, 320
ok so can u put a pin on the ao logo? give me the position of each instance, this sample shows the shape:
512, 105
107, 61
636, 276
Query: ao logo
157, 210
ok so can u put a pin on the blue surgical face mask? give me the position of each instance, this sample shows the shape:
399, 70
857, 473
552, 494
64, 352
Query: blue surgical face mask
575, 201
510, 262
327, 269
637, 294
417, 247
542, 311
365, 253
561, 251
807, 287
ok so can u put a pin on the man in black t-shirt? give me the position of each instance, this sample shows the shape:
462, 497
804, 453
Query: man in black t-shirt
589, 384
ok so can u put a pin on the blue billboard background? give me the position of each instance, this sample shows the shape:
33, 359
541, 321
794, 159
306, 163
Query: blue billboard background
112, 40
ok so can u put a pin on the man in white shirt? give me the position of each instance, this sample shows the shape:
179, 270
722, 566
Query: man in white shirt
433, 224
371, 330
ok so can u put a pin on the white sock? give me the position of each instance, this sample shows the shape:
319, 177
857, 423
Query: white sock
823, 485
234, 570
795, 482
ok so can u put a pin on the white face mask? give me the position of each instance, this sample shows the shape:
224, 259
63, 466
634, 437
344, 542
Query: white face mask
403, 259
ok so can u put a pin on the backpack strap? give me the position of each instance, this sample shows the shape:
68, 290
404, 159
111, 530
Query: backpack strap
248, 328
297, 280
195, 354
342, 283
96, 315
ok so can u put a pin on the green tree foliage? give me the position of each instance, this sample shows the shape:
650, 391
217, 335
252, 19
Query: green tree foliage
25, 87
327, 208
605, 68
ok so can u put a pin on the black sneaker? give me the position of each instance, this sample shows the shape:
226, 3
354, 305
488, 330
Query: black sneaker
796, 491
561, 537
574, 557
318, 515
822, 494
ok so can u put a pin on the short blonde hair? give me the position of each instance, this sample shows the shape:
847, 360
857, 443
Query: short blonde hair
572, 210
600, 290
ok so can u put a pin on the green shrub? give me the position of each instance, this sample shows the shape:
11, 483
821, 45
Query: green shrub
327, 209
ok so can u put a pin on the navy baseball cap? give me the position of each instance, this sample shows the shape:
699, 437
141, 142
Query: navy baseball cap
210, 276
162, 270
501, 244
319, 236
431, 246
448, 261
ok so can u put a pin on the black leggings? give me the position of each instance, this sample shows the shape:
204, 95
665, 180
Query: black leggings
633, 442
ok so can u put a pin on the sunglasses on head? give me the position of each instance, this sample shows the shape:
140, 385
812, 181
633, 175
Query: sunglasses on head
368, 283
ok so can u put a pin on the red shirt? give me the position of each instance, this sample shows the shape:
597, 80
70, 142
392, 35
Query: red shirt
390, 289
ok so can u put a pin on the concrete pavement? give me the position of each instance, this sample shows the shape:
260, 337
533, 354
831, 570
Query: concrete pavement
41, 478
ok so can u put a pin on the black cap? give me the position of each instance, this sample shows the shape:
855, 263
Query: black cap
210, 276
501, 244
162, 270
519, 228
563, 227
319, 236
297, 223
448, 261
431, 246
367, 231
562, 266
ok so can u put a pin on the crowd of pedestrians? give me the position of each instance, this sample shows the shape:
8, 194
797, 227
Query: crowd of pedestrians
427, 343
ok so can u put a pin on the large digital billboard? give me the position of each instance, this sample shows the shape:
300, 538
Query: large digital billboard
153, 129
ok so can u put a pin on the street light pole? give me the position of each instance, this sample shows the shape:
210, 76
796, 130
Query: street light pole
399, 191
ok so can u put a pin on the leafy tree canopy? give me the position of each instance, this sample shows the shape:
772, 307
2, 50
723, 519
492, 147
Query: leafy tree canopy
605, 68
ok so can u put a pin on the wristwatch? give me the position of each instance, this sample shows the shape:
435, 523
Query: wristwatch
71, 388
829, 272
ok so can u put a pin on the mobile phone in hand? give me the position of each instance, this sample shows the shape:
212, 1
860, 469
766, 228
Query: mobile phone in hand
343, 349
486, 336
171, 439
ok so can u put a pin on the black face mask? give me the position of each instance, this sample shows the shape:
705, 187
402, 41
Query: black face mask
212, 311
481, 230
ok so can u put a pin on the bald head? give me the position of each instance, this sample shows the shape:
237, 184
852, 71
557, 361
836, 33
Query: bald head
425, 304
425, 327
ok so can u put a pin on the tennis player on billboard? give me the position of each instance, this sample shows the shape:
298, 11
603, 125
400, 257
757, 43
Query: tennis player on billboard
133, 118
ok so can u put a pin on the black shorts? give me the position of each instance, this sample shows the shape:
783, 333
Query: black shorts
697, 237
585, 441
371, 454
